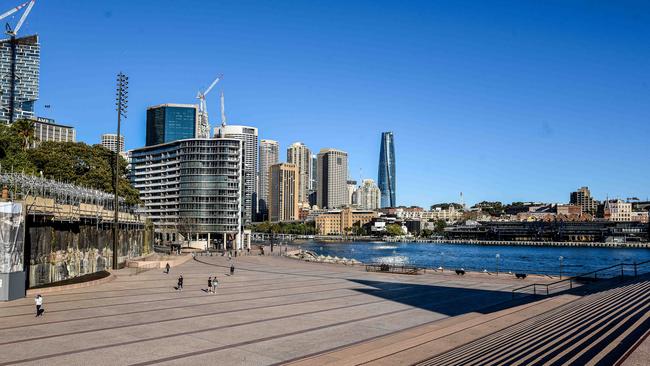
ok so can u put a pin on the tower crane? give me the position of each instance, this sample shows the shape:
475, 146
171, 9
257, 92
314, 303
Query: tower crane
204, 125
29, 5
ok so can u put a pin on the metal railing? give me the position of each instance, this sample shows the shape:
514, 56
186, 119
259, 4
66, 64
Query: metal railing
620, 270
384, 267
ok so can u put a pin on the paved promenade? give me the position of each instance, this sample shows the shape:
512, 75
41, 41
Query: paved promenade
271, 311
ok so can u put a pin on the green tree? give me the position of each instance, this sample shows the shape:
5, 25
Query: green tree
425, 233
394, 230
440, 226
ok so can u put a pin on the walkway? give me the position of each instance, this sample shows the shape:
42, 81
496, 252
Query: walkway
271, 311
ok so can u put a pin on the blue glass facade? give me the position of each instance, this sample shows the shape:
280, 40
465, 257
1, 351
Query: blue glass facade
167, 123
386, 174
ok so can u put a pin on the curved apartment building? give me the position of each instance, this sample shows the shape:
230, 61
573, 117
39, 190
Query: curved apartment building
192, 189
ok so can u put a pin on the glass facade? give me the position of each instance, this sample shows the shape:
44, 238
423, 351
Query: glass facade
386, 174
168, 122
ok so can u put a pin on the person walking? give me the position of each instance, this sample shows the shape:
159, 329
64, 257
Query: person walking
210, 284
167, 268
215, 282
232, 269
180, 283
39, 304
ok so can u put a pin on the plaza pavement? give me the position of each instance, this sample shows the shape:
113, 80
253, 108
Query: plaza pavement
273, 310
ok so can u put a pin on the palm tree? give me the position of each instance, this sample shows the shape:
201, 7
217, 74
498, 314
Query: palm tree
25, 129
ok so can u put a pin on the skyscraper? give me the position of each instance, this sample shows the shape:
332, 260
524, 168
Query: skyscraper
386, 174
109, 141
332, 178
25, 92
368, 195
170, 122
248, 135
269, 155
283, 192
582, 197
300, 155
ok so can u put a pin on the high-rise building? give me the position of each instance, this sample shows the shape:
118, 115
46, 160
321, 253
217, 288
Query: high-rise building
191, 190
314, 173
269, 155
283, 192
582, 197
352, 187
171, 122
109, 141
25, 91
248, 135
332, 172
386, 174
46, 129
300, 155
368, 195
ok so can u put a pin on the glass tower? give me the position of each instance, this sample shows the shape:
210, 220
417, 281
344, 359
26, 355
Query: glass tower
386, 173
170, 122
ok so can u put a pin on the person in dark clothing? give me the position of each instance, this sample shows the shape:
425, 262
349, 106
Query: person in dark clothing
167, 268
180, 283
232, 269
209, 284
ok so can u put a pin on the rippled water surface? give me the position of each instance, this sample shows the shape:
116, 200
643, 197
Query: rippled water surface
480, 257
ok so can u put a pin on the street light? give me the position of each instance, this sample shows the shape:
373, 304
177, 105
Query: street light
121, 103
561, 260
498, 256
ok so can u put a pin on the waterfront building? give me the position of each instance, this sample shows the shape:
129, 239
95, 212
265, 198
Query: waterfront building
386, 174
332, 178
352, 187
314, 173
46, 129
368, 195
300, 155
171, 122
335, 222
26, 90
283, 192
269, 155
109, 141
582, 197
191, 190
248, 135
618, 210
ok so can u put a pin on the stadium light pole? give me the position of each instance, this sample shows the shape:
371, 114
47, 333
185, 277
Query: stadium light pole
121, 102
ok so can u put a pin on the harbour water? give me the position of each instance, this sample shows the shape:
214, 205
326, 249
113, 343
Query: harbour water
540, 260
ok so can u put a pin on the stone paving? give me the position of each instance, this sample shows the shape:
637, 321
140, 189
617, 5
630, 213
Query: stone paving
271, 311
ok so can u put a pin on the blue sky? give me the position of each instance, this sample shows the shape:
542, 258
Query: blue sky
502, 100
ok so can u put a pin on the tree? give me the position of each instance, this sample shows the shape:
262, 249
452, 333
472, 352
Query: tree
440, 226
24, 128
425, 233
394, 230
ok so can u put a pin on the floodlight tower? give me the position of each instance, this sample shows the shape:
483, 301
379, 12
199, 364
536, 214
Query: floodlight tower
121, 102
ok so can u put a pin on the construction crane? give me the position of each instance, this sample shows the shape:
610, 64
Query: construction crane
14, 45
204, 125
13, 32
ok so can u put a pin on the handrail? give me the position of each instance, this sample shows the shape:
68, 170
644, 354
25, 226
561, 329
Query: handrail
578, 277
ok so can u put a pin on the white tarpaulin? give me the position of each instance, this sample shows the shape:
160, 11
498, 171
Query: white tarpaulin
12, 234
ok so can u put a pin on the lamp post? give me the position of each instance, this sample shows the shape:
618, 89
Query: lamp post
561, 260
121, 102
498, 256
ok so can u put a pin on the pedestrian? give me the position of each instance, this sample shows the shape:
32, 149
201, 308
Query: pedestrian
209, 284
167, 268
39, 304
230, 255
180, 283
232, 269
215, 282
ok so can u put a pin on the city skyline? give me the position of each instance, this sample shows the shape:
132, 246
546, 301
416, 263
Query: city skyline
489, 121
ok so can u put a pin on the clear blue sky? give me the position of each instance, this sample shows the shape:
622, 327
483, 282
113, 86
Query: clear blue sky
502, 100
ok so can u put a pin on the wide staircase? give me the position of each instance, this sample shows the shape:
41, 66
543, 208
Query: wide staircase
597, 329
